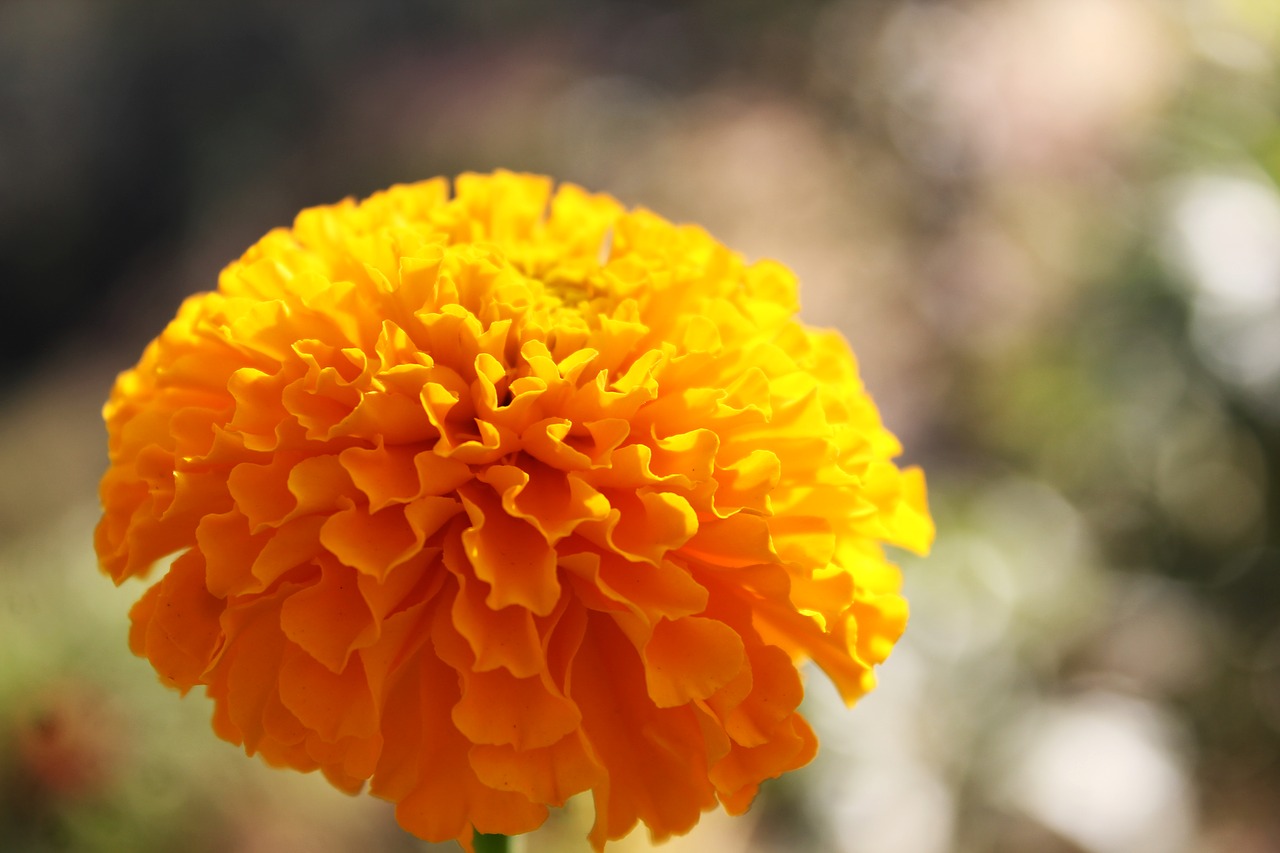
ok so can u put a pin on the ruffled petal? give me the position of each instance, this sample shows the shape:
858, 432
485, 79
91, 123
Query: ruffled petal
647, 751
689, 659
326, 620
549, 774
175, 624
510, 555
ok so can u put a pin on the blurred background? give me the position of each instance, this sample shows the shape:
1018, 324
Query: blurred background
1051, 229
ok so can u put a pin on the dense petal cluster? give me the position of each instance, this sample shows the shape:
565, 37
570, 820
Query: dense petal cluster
494, 498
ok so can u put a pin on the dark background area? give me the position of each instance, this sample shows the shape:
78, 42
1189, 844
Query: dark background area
128, 125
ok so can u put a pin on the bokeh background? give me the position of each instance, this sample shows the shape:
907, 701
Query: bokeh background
1051, 229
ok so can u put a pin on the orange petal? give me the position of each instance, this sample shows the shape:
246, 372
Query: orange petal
509, 555
175, 624
498, 638
552, 501
259, 415
776, 691
545, 440
643, 526
319, 413
690, 658
415, 581
746, 484
328, 619
230, 551
655, 757
377, 542
498, 708
149, 538
397, 417
261, 490
780, 624
393, 665
333, 705
243, 680
320, 484
739, 540
398, 474
550, 774
607, 434
665, 590
805, 540
657, 523
348, 763
448, 799
294, 543
738, 775
688, 455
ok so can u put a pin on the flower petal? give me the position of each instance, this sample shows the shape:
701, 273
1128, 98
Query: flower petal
509, 554
334, 705
548, 774
375, 543
176, 623
327, 620
649, 752
499, 708
690, 658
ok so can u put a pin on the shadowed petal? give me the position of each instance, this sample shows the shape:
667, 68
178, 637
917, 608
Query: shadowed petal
690, 658
509, 554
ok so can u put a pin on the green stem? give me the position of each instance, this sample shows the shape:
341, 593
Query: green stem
490, 843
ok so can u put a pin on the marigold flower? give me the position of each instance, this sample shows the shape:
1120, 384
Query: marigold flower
492, 499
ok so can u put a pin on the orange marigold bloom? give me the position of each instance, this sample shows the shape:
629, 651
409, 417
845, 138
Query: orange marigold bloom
492, 499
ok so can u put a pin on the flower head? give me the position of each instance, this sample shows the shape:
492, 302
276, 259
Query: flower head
492, 499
